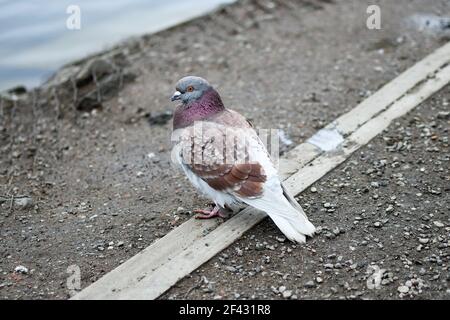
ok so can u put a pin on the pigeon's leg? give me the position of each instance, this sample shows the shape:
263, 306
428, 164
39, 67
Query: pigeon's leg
205, 214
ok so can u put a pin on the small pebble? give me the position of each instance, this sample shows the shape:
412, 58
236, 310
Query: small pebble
230, 268
403, 289
438, 224
24, 202
21, 269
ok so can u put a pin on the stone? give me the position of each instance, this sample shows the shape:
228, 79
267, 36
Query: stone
403, 289
21, 269
438, 224
23, 202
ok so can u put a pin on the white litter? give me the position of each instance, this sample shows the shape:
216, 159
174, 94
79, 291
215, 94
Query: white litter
326, 139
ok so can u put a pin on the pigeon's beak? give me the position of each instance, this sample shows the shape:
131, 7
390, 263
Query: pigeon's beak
176, 96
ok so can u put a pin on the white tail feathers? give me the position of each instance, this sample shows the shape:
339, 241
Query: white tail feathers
295, 228
286, 213
288, 229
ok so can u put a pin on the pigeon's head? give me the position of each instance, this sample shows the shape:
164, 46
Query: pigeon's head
190, 88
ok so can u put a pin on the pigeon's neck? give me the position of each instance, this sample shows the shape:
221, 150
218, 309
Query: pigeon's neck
207, 106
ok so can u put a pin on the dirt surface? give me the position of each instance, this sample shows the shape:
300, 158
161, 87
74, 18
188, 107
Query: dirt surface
86, 177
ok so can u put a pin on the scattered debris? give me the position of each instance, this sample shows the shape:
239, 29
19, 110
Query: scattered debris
21, 269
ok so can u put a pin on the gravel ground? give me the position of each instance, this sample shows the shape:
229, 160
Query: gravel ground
86, 179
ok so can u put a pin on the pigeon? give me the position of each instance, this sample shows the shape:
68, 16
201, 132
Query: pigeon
223, 157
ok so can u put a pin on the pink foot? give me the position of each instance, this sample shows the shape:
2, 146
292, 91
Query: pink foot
205, 214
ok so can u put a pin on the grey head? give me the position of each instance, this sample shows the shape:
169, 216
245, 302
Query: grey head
190, 89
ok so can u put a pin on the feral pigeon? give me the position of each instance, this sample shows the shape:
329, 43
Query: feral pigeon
223, 157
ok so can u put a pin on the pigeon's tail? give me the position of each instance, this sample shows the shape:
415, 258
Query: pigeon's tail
286, 213
292, 221
293, 230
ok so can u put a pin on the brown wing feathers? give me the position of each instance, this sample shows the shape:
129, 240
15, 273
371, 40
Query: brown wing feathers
221, 156
246, 179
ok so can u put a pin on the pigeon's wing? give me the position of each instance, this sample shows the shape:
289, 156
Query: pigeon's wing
241, 179
219, 155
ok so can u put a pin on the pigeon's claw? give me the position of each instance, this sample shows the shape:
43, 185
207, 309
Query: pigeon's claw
205, 214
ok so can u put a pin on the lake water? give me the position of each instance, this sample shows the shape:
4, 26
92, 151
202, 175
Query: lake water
35, 40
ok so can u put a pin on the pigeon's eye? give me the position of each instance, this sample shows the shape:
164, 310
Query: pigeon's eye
190, 89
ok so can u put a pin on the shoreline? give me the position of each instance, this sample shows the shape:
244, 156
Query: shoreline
60, 45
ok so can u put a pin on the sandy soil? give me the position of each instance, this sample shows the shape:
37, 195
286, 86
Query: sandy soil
86, 179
